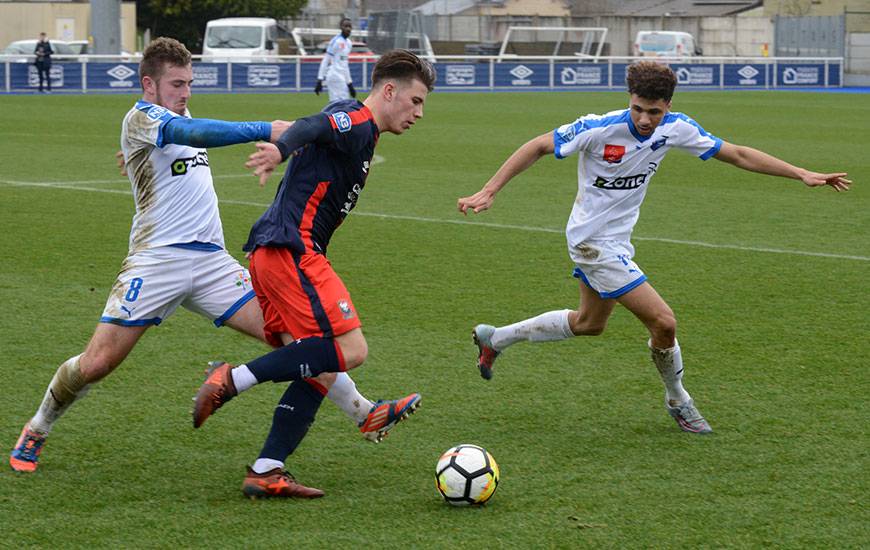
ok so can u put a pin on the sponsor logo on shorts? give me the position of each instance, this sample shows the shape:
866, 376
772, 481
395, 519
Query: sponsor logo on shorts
342, 121
243, 279
179, 167
345, 308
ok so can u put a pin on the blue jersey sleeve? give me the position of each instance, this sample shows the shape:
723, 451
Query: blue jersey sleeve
204, 132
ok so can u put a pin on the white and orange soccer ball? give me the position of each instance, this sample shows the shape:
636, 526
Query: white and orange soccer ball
466, 474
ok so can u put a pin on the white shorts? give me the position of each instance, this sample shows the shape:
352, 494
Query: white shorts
606, 267
154, 282
337, 89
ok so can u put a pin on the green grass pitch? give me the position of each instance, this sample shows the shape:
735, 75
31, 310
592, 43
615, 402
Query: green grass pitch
768, 280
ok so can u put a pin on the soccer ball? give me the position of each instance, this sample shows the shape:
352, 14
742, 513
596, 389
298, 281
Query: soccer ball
466, 474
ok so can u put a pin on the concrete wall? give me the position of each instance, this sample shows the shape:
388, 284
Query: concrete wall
60, 21
751, 36
515, 8
858, 53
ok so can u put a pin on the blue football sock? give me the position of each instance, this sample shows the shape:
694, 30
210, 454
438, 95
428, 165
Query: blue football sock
297, 360
293, 416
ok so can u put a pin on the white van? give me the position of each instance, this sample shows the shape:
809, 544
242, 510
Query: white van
665, 44
240, 39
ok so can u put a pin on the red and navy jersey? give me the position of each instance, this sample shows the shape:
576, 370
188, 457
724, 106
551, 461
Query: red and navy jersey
322, 183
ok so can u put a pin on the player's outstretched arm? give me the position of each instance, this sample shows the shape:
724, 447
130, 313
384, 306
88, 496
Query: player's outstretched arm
204, 132
759, 161
298, 133
264, 161
278, 129
525, 156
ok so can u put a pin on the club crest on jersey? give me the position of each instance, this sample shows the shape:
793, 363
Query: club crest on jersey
614, 153
345, 308
659, 143
155, 112
342, 121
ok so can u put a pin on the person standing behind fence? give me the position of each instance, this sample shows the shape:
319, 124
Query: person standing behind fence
334, 69
43, 53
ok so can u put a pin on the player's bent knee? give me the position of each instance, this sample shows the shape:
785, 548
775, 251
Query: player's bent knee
97, 363
355, 351
663, 328
581, 326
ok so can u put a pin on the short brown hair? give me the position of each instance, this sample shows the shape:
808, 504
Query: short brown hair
403, 65
159, 52
651, 80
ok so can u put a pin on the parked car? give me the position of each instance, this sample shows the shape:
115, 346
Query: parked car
23, 50
241, 40
665, 44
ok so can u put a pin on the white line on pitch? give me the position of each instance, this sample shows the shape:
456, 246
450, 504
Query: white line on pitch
75, 185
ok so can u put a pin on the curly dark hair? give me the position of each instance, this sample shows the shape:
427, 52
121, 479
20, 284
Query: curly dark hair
159, 52
403, 65
651, 80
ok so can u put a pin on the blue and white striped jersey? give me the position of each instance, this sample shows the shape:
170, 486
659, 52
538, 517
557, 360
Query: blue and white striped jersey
172, 184
334, 64
616, 165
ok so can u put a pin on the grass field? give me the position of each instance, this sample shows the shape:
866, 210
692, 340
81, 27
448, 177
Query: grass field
768, 279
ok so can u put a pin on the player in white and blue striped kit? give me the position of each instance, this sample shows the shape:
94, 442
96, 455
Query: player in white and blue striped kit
619, 153
334, 69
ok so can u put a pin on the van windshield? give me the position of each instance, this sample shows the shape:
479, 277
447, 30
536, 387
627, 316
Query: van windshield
657, 43
234, 37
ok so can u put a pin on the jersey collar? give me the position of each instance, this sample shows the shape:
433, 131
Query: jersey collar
634, 131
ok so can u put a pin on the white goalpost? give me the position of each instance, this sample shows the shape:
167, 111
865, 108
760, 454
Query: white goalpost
582, 40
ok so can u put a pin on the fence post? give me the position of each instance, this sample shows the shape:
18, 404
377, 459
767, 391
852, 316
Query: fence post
298, 74
552, 76
229, 76
84, 77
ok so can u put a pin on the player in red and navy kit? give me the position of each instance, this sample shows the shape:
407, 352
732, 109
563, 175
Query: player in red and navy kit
176, 255
619, 153
306, 306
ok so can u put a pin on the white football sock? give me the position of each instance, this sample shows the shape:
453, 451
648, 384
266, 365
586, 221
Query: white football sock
263, 465
243, 378
344, 394
669, 363
546, 327
65, 388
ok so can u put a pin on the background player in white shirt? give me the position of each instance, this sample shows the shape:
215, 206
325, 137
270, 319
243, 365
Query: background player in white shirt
334, 69
176, 255
619, 154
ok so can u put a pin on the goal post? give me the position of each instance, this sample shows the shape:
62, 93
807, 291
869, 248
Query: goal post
584, 42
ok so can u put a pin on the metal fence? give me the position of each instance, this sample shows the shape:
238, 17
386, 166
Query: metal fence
99, 74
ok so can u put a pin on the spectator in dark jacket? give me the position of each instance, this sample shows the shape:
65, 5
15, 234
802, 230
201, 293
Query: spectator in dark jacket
43, 53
